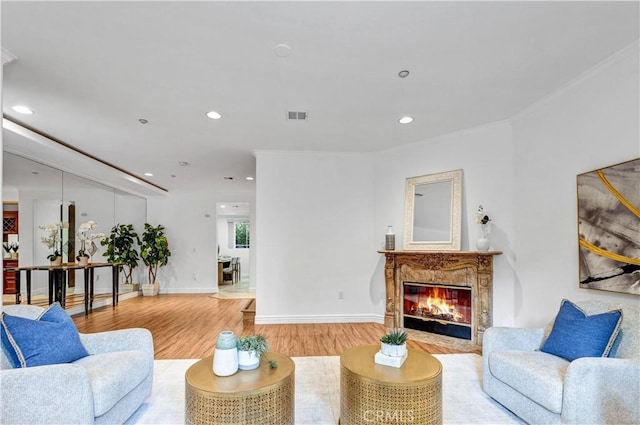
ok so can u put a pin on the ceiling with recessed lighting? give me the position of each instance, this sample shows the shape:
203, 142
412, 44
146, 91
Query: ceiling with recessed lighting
92, 71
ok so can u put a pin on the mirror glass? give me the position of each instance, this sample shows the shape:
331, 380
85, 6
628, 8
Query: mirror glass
433, 211
45, 195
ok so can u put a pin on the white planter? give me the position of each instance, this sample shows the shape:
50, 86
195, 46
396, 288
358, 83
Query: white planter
130, 287
150, 289
247, 360
393, 350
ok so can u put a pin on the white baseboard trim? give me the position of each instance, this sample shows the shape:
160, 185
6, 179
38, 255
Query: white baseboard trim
188, 290
320, 318
102, 302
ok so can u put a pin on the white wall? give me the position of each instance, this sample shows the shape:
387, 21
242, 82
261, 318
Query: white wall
314, 237
523, 171
484, 154
192, 236
591, 123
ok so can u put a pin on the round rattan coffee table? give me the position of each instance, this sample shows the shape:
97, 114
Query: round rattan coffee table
374, 393
261, 396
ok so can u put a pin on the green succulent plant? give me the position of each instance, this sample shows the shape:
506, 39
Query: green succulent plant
255, 343
394, 337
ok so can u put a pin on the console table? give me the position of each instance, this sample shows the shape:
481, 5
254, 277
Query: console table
58, 281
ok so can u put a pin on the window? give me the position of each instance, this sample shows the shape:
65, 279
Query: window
241, 231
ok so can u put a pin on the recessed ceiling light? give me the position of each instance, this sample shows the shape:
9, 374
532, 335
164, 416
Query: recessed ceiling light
405, 120
403, 74
148, 174
282, 50
183, 163
228, 178
223, 206
21, 109
143, 121
249, 178
214, 115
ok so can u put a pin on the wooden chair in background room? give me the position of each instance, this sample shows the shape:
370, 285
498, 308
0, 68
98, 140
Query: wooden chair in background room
237, 270
229, 273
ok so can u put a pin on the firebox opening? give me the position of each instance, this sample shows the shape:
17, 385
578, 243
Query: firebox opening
441, 309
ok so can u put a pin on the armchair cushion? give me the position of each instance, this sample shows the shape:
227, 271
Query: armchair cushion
114, 375
575, 334
51, 338
537, 374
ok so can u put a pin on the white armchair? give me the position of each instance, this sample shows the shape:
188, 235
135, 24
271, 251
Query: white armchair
105, 387
545, 389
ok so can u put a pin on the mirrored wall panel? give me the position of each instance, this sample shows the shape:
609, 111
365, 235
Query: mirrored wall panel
42, 197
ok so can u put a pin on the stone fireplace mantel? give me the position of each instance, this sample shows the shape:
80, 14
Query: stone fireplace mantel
472, 269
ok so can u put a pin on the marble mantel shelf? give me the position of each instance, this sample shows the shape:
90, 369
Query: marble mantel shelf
473, 269
400, 251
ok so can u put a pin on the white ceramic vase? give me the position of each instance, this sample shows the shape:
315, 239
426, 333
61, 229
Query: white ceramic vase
225, 356
483, 241
393, 350
247, 360
225, 361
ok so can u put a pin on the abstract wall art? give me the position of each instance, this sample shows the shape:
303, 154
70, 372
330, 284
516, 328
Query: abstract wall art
609, 228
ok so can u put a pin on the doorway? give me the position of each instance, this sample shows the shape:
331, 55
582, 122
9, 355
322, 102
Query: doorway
233, 227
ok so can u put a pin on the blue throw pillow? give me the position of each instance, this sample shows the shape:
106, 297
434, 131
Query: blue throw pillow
50, 339
575, 335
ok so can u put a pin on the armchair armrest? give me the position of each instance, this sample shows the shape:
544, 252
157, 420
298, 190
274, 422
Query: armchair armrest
119, 340
513, 339
55, 394
602, 390
507, 339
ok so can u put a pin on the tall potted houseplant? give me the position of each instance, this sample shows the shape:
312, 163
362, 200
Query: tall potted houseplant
121, 248
154, 250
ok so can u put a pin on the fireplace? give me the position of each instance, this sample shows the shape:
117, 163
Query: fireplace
439, 309
465, 277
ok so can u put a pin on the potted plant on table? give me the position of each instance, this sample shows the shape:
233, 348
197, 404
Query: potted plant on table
121, 248
250, 351
394, 343
154, 250
87, 251
52, 241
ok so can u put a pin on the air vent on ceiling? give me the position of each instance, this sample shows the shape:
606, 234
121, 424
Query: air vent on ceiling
7, 56
297, 115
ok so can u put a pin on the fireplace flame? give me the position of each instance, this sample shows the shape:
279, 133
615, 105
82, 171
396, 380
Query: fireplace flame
437, 306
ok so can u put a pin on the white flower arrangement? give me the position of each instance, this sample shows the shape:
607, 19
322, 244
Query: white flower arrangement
53, 237
481, 217
83, 237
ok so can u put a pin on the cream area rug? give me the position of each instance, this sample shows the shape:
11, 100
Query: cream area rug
317, 393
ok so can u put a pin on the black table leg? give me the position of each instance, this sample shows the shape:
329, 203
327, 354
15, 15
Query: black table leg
18, 294
51, 285
63, 287
91, 286
114, 284
28, 286
87, 295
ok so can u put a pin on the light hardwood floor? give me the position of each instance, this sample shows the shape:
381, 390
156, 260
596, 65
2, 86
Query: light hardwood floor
185, 326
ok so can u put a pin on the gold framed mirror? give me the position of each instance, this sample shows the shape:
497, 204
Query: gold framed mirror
433, 208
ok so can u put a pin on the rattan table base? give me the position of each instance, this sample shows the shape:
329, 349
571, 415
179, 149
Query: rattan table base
263, 396
378, 394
